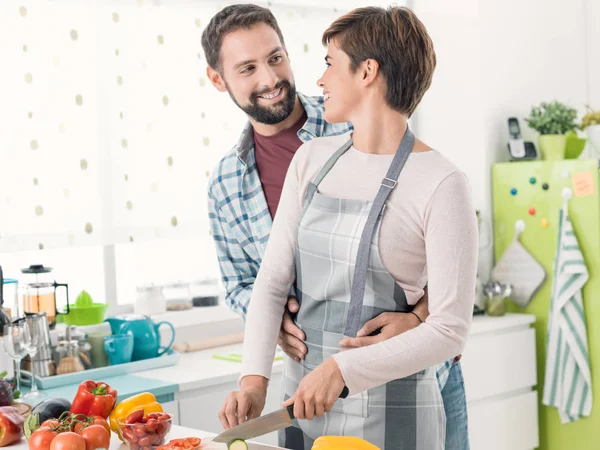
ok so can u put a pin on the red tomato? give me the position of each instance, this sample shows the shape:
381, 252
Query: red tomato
42, 438
95, 437
99, 420
135, 417
151, 425
129, 434
68, 441
51, 423
140, 430
77, 426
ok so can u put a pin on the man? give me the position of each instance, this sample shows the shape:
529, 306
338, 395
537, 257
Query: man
246, 57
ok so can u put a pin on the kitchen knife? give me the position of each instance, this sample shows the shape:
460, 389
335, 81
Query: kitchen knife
263, 425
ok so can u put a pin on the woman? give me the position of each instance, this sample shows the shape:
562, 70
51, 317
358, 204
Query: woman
365, 221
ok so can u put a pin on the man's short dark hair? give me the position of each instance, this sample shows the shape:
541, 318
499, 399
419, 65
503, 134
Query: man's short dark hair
229, 19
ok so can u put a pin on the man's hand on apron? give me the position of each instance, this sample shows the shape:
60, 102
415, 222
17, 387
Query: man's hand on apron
246, 404
291, 338
389, 324
318, 391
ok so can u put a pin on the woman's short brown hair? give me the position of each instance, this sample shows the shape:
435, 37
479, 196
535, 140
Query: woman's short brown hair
400, 44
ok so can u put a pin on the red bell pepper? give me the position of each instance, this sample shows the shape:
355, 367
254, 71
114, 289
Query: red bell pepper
94, 399
11, 425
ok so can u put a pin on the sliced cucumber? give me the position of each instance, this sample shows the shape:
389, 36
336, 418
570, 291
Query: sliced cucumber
237, 444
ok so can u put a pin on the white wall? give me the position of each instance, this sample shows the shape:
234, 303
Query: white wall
496, 59
592, 12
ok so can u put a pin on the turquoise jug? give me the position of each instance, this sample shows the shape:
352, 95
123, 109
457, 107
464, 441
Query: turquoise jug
146, 337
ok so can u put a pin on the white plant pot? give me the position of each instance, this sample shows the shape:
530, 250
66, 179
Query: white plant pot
593, 133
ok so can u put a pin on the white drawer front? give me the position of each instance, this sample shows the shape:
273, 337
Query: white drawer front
507, 424
173, 409
499, 363
200, 410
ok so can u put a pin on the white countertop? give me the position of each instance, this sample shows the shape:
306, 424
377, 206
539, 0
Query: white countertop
199, 369
175, 433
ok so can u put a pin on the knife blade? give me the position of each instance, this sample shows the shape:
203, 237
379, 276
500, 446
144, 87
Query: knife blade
263, 425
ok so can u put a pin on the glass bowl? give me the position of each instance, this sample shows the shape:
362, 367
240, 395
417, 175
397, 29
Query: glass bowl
148, 434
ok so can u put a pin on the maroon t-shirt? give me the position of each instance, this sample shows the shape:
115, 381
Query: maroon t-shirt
273, 157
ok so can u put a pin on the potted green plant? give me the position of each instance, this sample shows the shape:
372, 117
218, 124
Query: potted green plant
591, 125
553, 121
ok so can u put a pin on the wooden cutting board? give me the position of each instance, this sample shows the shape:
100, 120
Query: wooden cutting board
207, 444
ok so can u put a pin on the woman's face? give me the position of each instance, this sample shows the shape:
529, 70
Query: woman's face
340, 86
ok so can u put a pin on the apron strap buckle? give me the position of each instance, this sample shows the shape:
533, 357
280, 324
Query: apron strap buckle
392, 183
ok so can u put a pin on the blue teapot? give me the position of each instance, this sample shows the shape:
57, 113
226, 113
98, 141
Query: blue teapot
146, 337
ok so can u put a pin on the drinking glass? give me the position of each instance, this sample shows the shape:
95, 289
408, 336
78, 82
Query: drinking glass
31, 341
15, 337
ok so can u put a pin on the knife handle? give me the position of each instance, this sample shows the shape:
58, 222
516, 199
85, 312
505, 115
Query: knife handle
343, 394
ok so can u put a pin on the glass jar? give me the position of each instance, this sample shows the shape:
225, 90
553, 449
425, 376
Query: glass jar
205, 292
178, 296
69, 360
85, 348
149, 300
496, 306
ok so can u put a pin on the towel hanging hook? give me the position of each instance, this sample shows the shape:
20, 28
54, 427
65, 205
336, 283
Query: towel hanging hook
519, 228
567, 193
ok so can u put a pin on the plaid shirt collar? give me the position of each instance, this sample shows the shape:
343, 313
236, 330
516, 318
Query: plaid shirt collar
312, 128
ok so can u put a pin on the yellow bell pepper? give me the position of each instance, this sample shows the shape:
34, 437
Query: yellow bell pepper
145, 401
342, 443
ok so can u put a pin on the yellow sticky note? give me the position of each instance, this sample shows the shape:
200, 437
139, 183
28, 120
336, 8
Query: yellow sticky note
583, 184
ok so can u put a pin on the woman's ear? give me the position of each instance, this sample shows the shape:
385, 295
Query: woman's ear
370, 69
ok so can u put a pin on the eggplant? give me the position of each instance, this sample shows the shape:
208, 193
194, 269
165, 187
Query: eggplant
51, 408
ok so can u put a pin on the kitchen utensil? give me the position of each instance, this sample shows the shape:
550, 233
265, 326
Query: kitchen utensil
263, 425
42, 363
149, 300
203, 344
85, 311
146, 337
119, 348
40, 295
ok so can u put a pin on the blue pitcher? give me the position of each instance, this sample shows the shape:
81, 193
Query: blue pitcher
146, 337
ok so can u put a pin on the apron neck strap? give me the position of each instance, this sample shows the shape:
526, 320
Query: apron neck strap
364, 247
312, 187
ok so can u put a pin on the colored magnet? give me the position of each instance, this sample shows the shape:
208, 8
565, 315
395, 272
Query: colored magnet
532, 211
545, 223
513, 191
545, 186
532, 180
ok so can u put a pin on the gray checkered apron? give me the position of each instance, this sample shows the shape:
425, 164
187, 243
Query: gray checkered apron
341, 284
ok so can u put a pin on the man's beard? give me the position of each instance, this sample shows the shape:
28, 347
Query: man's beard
270, 115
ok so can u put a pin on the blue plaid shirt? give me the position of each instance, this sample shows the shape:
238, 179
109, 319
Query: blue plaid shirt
239, 217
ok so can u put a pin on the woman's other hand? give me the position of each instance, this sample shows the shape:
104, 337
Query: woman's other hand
246, 404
